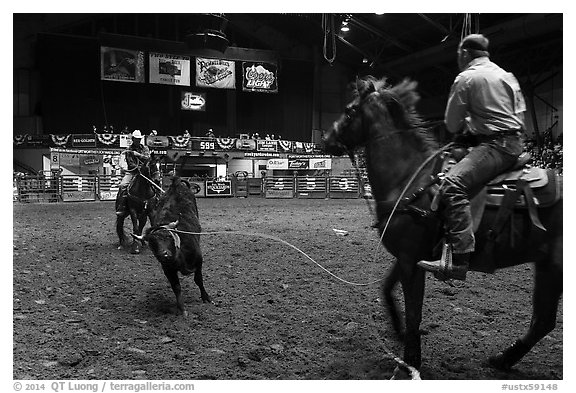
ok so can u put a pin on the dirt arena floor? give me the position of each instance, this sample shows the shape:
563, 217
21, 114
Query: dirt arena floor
82, 309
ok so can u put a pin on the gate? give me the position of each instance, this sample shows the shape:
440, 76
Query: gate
108, 187
279, 187
34, 189
343, 187
254, 186
78, 188
240, 184
311, 187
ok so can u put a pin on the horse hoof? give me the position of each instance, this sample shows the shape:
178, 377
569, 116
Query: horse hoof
400, 374
499, 362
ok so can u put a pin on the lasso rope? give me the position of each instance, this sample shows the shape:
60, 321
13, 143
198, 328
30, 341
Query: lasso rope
416, 173
410, 181
274, 238
152, 183
414, 373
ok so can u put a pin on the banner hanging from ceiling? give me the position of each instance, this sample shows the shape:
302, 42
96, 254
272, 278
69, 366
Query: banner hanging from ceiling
259, 77
123, 65
169, 69
217, 73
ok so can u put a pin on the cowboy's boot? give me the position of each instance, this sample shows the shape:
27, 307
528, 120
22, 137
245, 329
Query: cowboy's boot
450, 266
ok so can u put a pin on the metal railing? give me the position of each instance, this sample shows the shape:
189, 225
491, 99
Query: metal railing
73, 188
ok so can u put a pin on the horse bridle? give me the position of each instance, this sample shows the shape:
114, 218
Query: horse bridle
139, 173
349, 113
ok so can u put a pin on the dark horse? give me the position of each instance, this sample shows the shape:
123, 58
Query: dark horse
142, 198
383, 120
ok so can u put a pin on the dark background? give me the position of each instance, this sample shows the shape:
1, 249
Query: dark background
73, 97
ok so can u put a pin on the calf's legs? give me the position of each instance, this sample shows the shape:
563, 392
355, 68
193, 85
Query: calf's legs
172, 276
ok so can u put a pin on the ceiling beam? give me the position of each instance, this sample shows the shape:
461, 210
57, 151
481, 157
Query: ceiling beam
287, 47
437, 25
525, 27
378, 33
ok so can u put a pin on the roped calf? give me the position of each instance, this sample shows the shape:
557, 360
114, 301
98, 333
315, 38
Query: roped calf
175, 213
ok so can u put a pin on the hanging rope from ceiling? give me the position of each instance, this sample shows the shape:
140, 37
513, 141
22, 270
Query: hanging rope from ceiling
329, 35
470, 21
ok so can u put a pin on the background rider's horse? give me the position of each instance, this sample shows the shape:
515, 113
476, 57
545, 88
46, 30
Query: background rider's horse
403, 162
141, 200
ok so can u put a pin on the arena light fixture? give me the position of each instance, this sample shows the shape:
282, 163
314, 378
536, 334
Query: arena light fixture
344, 27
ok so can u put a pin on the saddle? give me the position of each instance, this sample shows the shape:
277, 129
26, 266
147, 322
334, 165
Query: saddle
522, 187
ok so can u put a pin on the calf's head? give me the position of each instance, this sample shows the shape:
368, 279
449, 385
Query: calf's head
163, 242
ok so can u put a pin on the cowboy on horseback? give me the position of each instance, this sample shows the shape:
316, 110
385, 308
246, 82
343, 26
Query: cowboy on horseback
486, 103
137, 155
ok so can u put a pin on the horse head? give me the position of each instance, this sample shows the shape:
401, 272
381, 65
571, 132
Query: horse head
141, 187
375, 105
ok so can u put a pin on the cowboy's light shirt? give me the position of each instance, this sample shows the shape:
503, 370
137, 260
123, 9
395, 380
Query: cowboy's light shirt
485, 99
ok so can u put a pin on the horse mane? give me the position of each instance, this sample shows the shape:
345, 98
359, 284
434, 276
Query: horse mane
400, 100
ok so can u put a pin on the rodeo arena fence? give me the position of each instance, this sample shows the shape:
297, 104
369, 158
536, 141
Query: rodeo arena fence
75, 188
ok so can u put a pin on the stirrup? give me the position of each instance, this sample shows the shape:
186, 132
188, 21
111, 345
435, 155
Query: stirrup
444, 269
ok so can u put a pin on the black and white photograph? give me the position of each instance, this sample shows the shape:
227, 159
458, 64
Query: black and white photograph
359, 198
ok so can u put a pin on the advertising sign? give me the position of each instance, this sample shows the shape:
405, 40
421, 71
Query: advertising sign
157, 141
91, 160
298, 163
125, 140
169, 69
277, 163
215, 188
123, 65
259, 77
217, 73
267, 145
320, 163
87, 140
193, 101
245, 144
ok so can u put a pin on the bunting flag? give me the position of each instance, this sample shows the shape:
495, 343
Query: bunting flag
20, 139
285, 145
309, 147
180, 141
226, 143
60, 140
107, 139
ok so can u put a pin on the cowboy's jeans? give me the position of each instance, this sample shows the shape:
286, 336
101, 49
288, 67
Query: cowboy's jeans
466, 178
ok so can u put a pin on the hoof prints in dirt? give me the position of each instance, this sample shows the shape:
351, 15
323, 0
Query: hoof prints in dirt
86, 310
